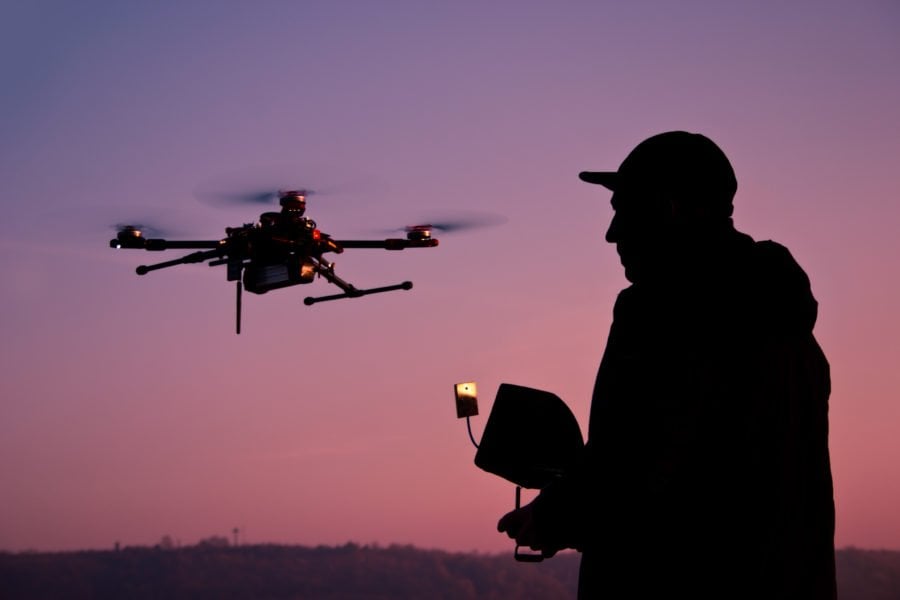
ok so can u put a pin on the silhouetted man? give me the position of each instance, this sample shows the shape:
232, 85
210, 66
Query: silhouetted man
706, 471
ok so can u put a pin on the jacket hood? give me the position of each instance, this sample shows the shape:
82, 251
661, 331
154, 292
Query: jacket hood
781, 288
730, 282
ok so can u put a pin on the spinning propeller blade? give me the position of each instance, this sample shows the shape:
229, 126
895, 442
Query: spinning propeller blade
451, 224
250, 197
262, 185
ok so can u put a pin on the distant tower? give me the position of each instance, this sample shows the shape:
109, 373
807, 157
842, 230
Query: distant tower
235, 532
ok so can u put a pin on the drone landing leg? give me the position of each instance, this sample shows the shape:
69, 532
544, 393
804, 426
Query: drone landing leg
356, 293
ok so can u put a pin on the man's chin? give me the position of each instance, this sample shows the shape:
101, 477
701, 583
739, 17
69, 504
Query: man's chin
632, 273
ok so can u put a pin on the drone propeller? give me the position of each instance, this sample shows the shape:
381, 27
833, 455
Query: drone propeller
262, 185
256, 197
453, 224
447, 226
248, 197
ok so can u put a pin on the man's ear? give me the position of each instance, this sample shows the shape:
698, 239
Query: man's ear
683, 210
697, 210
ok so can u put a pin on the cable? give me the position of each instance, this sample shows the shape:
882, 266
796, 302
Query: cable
471, 437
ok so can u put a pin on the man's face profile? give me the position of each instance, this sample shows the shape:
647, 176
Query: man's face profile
672, 190
641, 229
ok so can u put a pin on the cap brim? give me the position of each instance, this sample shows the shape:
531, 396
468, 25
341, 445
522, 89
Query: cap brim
607, 179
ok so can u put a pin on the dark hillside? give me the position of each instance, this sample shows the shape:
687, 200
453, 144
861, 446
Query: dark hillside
282, 572
868, 574
345, 572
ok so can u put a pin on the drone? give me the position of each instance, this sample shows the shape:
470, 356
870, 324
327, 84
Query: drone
282, 249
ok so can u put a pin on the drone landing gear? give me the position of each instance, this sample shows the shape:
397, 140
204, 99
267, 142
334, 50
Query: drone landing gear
326, 270
353, 292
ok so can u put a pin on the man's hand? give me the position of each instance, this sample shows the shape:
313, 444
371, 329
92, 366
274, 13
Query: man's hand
519, 525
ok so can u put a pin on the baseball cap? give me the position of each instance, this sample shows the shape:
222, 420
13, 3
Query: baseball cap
689, 164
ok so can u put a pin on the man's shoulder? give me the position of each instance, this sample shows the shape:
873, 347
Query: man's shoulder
626, 297
778, 288
775, 260
743, 275
773, 251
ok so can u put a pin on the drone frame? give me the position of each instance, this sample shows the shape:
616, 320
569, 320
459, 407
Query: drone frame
283, 249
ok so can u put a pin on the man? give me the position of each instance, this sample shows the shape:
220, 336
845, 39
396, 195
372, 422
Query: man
706, 471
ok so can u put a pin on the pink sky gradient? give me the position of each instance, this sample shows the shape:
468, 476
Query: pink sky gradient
129, 410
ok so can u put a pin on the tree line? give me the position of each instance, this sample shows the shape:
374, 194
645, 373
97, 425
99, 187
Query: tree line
221, 571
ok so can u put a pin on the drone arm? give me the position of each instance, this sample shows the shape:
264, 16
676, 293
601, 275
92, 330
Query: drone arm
157, 244
389, 244
194, 257
160, 244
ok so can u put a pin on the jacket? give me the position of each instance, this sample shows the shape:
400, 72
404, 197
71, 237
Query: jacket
706, 470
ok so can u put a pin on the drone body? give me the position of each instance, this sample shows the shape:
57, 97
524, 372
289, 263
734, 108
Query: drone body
282, 249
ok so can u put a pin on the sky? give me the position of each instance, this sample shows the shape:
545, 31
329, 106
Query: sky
130, 410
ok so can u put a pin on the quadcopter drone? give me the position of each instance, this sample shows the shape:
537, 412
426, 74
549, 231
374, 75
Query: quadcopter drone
282, 249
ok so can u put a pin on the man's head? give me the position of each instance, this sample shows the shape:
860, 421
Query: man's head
671, 190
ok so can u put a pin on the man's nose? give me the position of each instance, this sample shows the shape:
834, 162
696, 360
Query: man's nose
612, 234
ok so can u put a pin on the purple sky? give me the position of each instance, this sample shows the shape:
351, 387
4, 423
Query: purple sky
129, 409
